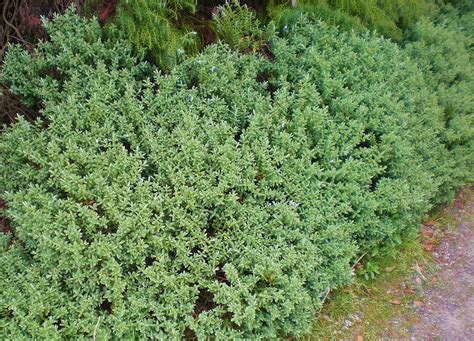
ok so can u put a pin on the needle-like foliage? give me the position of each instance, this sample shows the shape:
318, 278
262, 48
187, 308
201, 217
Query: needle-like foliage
388, 17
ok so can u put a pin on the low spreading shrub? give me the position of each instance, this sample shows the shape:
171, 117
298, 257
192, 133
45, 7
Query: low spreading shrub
462, 5
20, 21
222, 200
388, 17
443, 49
284, 15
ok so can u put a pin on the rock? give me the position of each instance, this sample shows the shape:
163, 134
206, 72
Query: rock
419, 304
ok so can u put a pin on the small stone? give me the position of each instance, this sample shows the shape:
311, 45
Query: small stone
419, 304
347, 323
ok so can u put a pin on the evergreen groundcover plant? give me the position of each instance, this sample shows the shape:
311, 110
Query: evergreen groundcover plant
388, 17
221, 200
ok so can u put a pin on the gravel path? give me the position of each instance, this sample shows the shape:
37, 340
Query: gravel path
448, 310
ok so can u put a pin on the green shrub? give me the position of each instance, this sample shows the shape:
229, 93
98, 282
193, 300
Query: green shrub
405, 13
372, 85
75, 47
153, 25
238, 27
221, 200
444, 51
462, 5
387, 17
284, 15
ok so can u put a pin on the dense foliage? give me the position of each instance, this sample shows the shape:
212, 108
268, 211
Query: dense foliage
151, 24
388, 17
285, 15
444, 51
221, 200
238, 27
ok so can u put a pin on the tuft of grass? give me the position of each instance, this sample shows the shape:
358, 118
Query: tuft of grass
442, 218
445, 215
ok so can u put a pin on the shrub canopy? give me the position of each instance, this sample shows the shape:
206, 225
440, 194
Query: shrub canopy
221, 200
443, 49
388, 17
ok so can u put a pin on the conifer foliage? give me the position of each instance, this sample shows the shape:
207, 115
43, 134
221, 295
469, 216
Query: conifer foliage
443, 49
388, 17
219, 201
